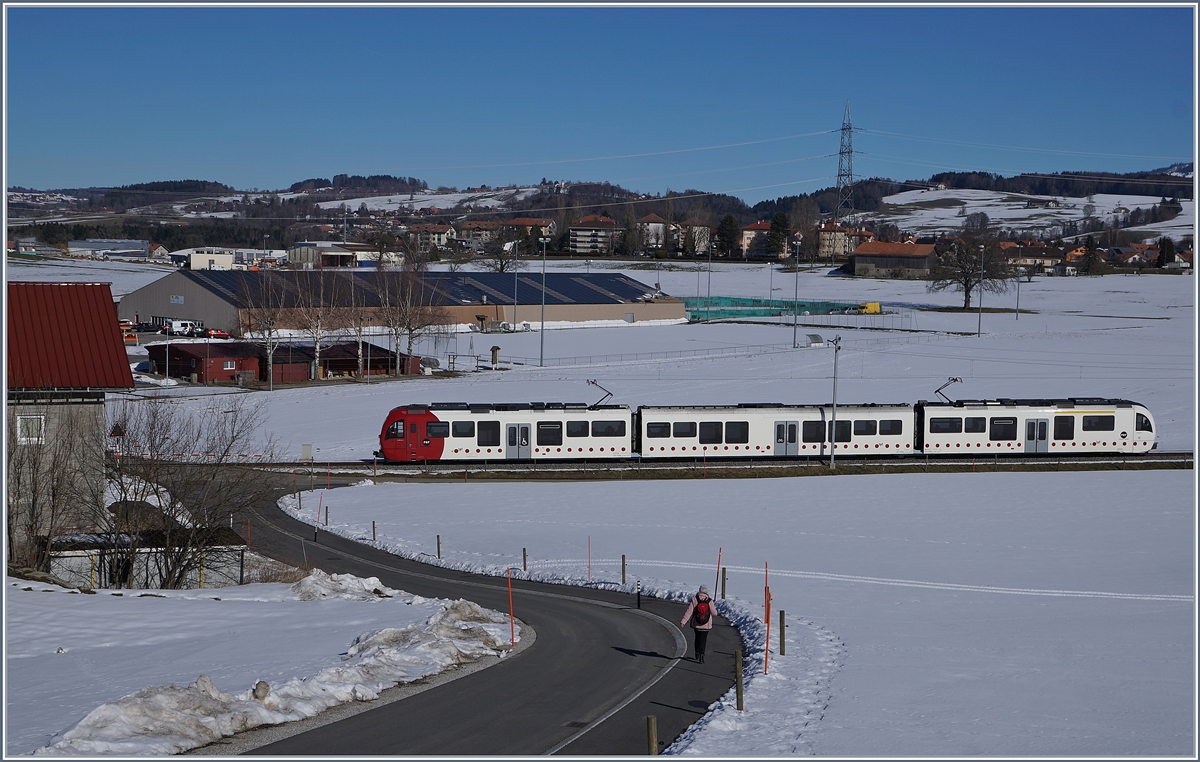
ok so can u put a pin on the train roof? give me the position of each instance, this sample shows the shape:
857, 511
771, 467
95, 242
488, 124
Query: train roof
488, 407
1068, 402
777, 406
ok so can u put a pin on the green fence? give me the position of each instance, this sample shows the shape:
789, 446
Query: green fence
725, 307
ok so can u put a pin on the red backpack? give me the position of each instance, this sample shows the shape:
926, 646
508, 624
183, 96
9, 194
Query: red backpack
703, 611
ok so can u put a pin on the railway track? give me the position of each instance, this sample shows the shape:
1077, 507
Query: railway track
736, 469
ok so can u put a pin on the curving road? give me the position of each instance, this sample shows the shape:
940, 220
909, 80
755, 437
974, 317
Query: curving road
597, 668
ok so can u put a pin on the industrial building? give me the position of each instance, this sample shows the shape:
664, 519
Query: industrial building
237, 301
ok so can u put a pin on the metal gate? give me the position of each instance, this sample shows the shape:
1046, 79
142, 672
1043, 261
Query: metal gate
518, 442
786, 440
1036, 434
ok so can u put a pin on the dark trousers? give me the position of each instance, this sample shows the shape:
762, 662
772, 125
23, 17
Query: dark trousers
701, 640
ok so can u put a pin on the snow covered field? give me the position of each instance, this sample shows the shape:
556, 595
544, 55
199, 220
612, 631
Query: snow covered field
930, 615
145, 673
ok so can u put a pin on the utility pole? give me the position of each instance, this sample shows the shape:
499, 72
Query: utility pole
837, 347
542, 352
845, 184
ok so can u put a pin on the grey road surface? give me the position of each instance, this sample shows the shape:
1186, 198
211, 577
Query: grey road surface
568, 693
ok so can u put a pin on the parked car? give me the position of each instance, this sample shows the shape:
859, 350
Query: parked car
216, 333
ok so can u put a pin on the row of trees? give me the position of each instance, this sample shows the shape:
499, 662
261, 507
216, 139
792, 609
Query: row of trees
323, 303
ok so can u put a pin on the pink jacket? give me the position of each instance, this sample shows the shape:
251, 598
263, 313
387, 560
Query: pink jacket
692, 607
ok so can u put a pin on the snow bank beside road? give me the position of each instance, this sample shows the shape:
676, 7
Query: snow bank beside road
413, 637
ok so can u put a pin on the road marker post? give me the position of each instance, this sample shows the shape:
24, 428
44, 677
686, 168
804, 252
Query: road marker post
639, 593
524, 560
718, 569
439, 546
723, 578
622, 568
767, 614
373, 536
782, 634
651, 735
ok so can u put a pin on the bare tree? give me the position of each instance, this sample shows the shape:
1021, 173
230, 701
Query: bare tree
169, 509
265, 298
408, 306
504, 254
969, 264
319, 306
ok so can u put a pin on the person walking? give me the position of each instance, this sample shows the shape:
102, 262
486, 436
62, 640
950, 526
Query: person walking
700, 612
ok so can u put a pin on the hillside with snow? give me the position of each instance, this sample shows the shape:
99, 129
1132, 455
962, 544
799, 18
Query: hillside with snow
930, 212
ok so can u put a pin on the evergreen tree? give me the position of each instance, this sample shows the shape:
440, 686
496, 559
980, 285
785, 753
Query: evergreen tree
778, 235
729, 235
1166, 252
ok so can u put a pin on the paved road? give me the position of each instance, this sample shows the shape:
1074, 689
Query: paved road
566, 694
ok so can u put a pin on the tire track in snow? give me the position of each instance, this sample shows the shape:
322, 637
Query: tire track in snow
888, 581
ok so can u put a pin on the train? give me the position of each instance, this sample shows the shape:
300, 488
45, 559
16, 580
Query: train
557, 431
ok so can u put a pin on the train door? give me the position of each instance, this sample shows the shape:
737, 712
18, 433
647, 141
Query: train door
1035, 434
786, 439
518, 441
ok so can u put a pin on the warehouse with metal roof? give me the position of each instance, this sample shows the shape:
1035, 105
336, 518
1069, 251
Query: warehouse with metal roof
236, 300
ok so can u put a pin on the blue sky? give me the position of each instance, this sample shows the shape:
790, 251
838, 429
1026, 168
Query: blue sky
744, 101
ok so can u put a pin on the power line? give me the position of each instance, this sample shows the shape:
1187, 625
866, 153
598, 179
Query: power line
1014, 148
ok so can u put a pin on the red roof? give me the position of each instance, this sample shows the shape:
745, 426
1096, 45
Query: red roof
65, 336
760, 225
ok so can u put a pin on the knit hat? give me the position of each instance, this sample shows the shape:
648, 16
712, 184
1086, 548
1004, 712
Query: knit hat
704, 589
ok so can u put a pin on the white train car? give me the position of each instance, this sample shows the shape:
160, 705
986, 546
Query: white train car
1075, 426
454, 431
774, 431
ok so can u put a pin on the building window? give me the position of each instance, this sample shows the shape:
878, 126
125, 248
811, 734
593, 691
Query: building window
230, 365
31, 429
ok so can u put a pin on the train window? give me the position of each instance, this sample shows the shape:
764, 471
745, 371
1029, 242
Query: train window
891, 428
608, 428
1099, 423
512, 436
1003, 429
549, 433
1064, 427
864, 428
489, 434
945, 425
737, 432
779, 432
1143, 423
791, 433
412, 428
577, 428
710, 432
812, 431
395, 431
463, 428
658, 430
437, 429
684, 428
843, 431
975, 426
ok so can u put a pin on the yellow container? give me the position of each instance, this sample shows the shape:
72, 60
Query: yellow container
870, 308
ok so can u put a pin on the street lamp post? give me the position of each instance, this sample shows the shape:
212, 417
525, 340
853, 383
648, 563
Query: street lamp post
1017, 309
796, 301
708, 301
542, 351
837, 347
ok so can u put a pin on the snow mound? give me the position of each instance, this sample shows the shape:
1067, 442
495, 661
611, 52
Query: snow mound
319, 586
161, 720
